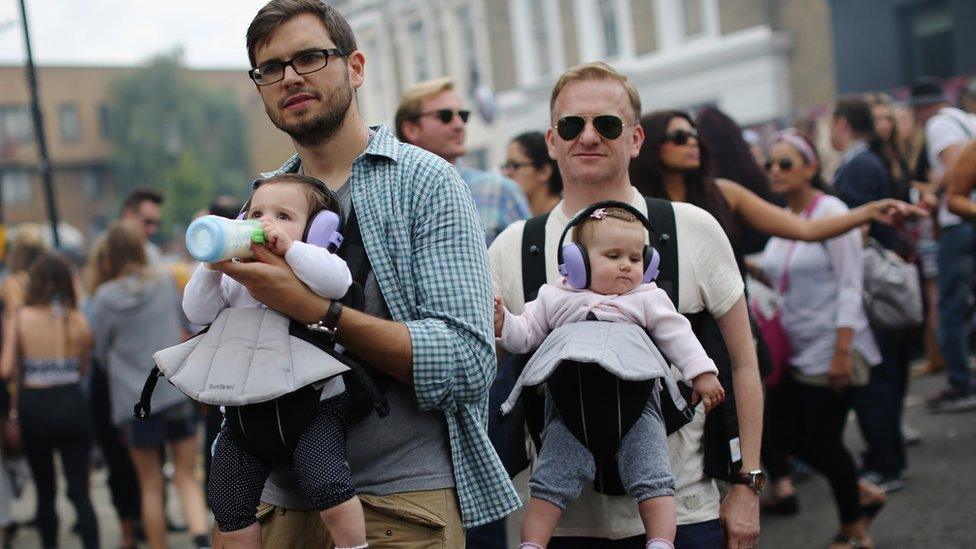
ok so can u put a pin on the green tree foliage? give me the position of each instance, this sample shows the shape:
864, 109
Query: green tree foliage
173, 132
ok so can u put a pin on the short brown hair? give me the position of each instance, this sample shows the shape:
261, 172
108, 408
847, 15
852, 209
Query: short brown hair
139, 195
318, 196
413, 99
277, 12
584, 230
597, 70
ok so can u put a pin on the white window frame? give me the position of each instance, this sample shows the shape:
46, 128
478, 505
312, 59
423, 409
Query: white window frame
669, 22
526, 54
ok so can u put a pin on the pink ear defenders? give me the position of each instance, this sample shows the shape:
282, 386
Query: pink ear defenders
574, 262
323, 229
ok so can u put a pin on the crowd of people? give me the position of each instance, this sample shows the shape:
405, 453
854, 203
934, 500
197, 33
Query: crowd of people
722, 271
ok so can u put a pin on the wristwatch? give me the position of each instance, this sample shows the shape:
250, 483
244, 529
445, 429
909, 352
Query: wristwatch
753, 479
328, 325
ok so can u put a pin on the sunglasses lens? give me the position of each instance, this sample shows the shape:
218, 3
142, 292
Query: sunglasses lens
445, 115
609, 126
569, 127
464, 116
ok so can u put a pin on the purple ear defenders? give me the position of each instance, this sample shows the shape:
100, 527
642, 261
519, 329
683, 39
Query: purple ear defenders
323, 229
574, 262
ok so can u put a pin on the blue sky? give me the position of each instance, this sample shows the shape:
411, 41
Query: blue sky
125, 32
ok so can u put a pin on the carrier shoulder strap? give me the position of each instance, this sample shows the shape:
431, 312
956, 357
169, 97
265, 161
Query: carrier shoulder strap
661, 215
534, 256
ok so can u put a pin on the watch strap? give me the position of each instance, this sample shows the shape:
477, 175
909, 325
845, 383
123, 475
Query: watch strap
329, 323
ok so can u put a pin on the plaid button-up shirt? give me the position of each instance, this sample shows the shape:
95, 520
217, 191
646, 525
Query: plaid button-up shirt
426, 245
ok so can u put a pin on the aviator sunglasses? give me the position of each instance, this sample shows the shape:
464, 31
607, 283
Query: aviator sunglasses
447, 115
785, 164
607, 125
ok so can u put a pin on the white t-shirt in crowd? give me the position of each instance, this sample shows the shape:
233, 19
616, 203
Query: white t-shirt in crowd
708, 279
950, 126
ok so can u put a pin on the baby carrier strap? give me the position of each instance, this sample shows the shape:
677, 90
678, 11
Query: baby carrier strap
723, 457
365, 385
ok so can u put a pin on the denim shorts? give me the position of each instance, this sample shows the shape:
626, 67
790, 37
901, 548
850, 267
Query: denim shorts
170, 425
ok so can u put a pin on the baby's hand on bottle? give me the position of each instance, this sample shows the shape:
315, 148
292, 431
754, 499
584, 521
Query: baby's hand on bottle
275, 238
707, 388
499, 316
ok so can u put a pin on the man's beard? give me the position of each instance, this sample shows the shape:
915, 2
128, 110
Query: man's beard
323, 126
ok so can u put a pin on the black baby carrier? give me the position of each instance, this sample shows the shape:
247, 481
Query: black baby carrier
598, 407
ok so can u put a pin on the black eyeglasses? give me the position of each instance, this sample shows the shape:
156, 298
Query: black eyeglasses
785, 164
446, 116
304, 63
681, 137
511, 165
608, 125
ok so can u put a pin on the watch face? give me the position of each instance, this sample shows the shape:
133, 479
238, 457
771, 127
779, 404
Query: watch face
759, 481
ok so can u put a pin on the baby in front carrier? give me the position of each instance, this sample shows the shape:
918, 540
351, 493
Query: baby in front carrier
611, 245
285, 205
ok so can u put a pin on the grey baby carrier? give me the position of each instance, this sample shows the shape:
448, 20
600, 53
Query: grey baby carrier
600, 376
267, 408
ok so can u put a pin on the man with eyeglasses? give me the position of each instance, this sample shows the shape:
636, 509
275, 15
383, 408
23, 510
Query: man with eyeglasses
142, 209
426, 470
430, 116
594, 134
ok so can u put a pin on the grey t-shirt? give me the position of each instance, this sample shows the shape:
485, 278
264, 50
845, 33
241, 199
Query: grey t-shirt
406, 451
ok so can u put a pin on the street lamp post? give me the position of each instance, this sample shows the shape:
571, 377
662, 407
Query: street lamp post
43, 164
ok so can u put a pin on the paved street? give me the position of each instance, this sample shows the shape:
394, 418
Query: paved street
936, 509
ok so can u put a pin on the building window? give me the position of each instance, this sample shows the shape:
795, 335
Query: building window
15, 125
104, 121
421, 58
17, 187
608, 20
929, 47
540, 35
91, 182
68, 117
694, 17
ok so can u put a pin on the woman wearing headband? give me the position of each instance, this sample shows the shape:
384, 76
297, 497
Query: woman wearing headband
832, 346
675, 165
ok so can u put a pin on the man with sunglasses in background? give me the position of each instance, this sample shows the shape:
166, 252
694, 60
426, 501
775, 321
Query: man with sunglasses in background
426, 470
594, 134
142, 209
430, 116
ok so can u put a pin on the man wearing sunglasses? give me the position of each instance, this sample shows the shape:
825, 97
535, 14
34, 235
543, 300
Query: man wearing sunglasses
430, 116
594, 134
142, 209
426, 470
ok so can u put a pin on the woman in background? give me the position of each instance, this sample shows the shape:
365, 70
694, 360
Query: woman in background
528, 163
47, 360
135, 312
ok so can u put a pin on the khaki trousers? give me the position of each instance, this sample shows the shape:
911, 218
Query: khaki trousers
406, 520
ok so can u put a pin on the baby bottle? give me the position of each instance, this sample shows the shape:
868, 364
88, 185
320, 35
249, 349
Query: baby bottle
212, 238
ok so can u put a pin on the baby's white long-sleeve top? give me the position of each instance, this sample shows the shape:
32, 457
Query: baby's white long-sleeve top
647, 306
209, 292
